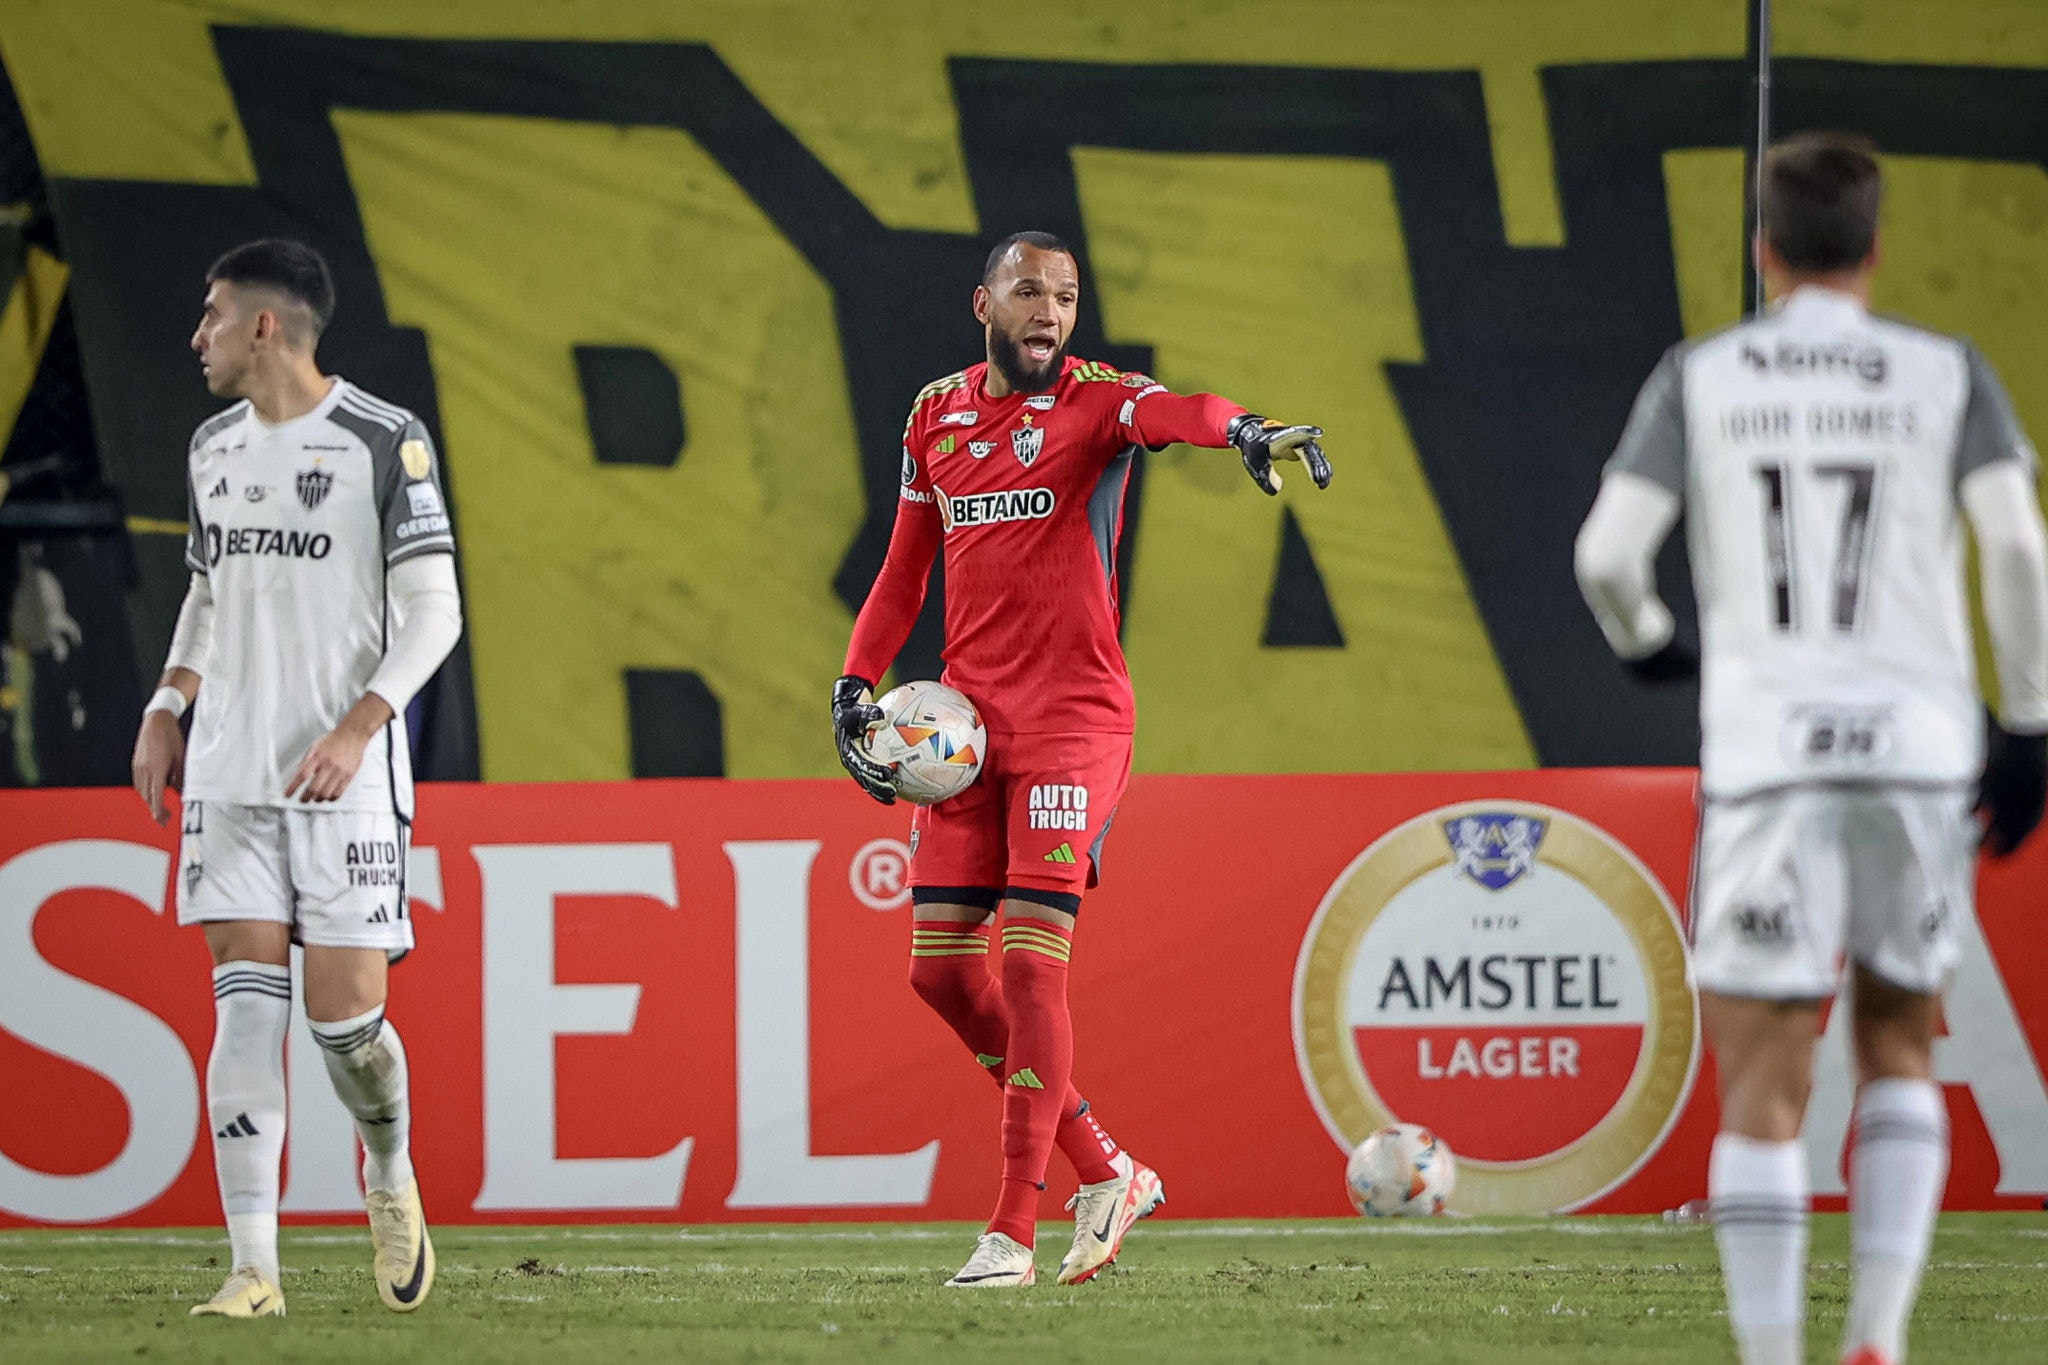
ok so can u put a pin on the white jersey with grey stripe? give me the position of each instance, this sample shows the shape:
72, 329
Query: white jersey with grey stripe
1818, 450
295, 526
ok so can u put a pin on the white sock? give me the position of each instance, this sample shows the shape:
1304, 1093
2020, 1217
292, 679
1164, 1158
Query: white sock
252, 1004
1759, 1193
366, 1062
1896, 1177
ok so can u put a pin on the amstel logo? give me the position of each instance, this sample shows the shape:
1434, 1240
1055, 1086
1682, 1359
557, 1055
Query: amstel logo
1512, 977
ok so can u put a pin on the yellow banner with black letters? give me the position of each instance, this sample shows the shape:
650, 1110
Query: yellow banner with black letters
664, 279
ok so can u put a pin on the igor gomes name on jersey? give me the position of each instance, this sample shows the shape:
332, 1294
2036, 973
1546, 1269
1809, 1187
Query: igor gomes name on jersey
1819, 451
986, 509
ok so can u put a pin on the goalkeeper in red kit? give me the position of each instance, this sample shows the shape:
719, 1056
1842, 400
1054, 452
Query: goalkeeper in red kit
1018, 467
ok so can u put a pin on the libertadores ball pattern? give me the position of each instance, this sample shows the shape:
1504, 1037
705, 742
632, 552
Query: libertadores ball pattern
1401, 1171
932, 738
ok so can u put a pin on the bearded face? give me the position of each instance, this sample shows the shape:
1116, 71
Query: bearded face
1027, 367
1027, 308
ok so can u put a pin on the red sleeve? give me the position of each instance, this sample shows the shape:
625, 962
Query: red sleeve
1155, 417
893, 603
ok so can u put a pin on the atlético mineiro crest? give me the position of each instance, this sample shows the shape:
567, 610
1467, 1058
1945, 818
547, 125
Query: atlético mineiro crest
1495, 849
1027, 443
313, 486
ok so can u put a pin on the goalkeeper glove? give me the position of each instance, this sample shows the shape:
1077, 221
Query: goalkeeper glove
2014, 787
1261, 440
854, 713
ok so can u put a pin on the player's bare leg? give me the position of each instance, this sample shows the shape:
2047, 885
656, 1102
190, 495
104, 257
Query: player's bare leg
245, 1106
1757, 1177
1899, 1166
345, 994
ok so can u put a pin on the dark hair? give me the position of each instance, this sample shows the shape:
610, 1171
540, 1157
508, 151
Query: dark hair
292, 268
1044, 241
1820, 198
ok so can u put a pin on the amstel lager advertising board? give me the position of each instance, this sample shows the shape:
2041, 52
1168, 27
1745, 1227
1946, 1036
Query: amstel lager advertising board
686, 1001
1495, 958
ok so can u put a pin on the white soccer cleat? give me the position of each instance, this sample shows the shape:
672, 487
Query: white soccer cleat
999, 1261
402, 1254
1104, 1212
245, 1295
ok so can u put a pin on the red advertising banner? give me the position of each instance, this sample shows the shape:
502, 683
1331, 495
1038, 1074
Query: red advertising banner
687, 1001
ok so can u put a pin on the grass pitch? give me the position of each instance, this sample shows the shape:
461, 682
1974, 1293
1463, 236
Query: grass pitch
1583, 1291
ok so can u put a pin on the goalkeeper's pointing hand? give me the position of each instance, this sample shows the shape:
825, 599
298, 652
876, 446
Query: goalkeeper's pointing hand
1261, 440
854, 713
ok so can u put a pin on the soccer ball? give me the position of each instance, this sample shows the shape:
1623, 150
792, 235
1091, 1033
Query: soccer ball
1402, 1171
932, 740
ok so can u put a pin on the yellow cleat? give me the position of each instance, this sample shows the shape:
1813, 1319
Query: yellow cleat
245, 1295
401, 1252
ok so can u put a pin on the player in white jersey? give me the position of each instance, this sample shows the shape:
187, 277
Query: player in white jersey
323, 596
1825, 459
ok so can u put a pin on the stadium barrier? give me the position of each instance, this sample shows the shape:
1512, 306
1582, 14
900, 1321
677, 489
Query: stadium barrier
686, 1001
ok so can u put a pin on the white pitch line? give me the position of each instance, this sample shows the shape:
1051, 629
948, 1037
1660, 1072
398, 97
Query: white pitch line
722, 1268
162, 1239
1362, 1229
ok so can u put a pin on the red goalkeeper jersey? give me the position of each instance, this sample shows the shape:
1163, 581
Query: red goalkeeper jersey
1026, 493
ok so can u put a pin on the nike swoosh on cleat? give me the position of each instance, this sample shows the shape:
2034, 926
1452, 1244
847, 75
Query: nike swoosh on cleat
1107, 1223
410, 1290
258, 1305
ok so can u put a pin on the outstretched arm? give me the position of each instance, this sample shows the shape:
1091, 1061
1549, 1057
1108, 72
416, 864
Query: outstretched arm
1156, 417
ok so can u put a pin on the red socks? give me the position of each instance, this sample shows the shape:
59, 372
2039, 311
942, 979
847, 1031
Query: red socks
1040, 1063
1084, 1142
949, 972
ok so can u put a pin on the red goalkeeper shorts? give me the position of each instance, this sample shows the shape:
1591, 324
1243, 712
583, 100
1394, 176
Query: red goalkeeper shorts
1036, 817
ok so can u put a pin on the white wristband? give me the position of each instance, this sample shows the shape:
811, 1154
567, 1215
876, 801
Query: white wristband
167, 699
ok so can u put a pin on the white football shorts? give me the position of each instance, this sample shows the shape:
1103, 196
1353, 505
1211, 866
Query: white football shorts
336, 877
1788, 884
